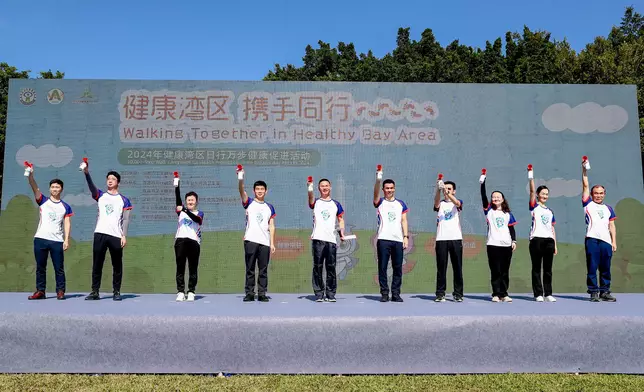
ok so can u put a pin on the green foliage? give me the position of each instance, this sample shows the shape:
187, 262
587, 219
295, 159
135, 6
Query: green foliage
529, 57
8, 72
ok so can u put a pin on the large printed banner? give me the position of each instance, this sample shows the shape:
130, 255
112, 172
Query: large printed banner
284, 132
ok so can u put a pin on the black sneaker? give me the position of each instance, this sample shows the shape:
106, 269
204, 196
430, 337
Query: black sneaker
439, 298
249, 298
594, 297
384, 298
607, 297
116, 296
262, 298
93, 296
396, 298
330, 298
458, 298
319, 298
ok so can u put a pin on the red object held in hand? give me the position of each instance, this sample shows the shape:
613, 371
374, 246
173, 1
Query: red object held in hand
584, 158
483, 171
27, 164
529, 167
239, 167
309, 179
440, 176
379, 168
85, 159
176, 174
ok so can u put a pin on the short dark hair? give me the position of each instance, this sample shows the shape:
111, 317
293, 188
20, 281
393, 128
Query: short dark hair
191, 193
597, 186
324, 179
452, 183
542, 187
388, 181
115, 174
57, 181
260, 183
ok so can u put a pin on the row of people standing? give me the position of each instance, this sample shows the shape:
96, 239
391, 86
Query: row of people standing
52, 237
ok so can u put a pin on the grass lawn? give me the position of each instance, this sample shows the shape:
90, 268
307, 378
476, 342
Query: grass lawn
442, 383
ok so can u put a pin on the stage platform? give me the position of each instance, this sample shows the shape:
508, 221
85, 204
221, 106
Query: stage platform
292, 334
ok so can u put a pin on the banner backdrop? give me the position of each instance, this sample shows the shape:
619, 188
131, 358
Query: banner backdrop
284, 132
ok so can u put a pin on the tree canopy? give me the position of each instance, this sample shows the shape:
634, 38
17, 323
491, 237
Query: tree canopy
526, 57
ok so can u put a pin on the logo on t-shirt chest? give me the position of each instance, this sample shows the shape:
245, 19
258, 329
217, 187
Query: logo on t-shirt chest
52, 216
325, 214
500, 221
600, 213
109, 209
259, 217
544, 219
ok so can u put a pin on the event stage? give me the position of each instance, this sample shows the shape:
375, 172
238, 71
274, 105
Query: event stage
151, 333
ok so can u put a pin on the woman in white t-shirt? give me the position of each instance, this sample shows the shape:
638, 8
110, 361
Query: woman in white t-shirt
543, 242
501, 241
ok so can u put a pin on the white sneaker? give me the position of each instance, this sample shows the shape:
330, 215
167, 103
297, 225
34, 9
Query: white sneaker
181, 297
507, 299
191, 297
550, 298
495, 299
539, 298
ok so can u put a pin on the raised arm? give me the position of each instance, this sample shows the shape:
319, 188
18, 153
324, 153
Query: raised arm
533, 195
34, 187
311, 196
453, 199
177, 196
437, 198
376, 192
242, 192
585, 190
92, 188
484, 199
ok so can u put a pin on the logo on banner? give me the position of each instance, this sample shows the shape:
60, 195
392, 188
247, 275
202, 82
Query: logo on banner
87, 97
27, 96
55, 96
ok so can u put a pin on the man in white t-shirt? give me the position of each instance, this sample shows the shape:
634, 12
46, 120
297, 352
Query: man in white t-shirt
601, 239
52, 236
449, 240
110, 233
327, 214
393, 237
259, 239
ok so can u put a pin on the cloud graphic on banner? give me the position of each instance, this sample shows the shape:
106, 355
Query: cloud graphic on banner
80, 200
584, 118
558, 187
45, 155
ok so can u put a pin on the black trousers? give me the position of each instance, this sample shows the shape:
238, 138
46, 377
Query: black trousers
499, 259
385, 250
186, 249
324, 257
103, 243
256, 255
542, 252
453, 249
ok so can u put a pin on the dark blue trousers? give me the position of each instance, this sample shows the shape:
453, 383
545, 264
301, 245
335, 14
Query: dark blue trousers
42, 249
598, 256
390, 249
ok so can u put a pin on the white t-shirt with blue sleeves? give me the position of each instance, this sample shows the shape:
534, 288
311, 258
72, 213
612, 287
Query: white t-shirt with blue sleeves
498, 226
52, 218
390, 214
110, 213
258, 215
187, 228
325, 219
598, 218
